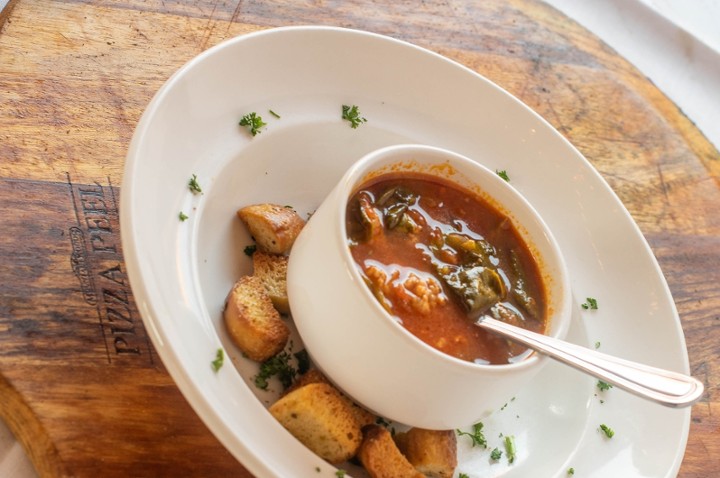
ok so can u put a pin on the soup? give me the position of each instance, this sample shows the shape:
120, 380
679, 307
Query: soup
439, 257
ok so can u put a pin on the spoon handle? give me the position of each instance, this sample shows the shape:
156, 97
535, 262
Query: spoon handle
662, 386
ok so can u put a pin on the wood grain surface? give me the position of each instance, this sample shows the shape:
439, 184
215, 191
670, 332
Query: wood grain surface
80, 383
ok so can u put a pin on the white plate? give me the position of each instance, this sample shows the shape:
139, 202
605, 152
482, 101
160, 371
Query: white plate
181, 271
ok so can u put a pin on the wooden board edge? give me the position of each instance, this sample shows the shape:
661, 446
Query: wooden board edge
5, 12
28, 430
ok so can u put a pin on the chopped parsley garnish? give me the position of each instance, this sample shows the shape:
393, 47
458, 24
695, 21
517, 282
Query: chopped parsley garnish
503, 174
253, 122
571, 471
276, 366
250, 250
496, 454
590, 304
382, 422
193, 185
597, 344
274, 114
603, 386
510, 448
607, 430
219, 359
477, 436
352, 114
182, 216
463, 475
506, 404
340, 473
303, 361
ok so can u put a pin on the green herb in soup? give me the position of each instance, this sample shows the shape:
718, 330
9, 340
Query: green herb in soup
439, 257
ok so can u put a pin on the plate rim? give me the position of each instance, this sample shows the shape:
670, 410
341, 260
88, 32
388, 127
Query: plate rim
250, 460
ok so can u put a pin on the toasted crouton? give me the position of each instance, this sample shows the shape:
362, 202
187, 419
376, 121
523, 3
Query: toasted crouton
311, 376
431, 452
252, 322
362, 415
381, 458
273, 227
272, 271
322, 419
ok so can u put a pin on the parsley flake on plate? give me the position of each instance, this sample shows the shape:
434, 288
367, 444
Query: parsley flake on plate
590, 303
510, 448
253, 122
603, 386
279, 366
503, 174
607, 430
250, 250
193, 185
352, 114
219, 360
477, 436
303, 361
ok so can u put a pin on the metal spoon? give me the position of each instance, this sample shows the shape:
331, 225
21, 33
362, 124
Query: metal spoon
662, 386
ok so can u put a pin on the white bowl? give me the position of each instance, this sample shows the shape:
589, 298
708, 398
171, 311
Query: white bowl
367, 353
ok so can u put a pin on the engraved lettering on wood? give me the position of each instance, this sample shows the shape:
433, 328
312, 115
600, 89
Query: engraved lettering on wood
78, 260
98, 264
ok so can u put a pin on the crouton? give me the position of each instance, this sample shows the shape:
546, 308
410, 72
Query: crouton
432, 452
311, 376
362, 415
272, 271
252, 322
381, 458
273, 227
322, 419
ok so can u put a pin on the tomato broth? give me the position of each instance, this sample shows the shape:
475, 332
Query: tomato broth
439, 257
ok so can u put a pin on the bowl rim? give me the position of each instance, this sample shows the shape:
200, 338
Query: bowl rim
400, 154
